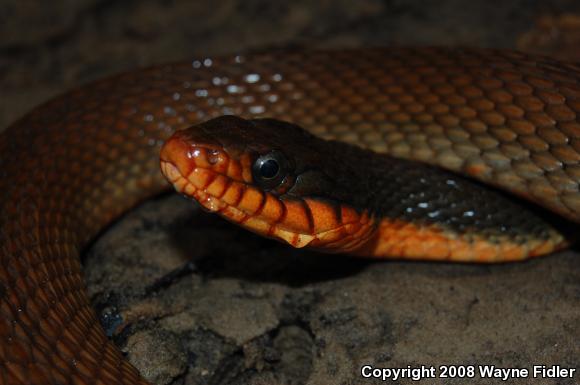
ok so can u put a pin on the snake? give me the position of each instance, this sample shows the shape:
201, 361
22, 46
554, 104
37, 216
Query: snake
452, 154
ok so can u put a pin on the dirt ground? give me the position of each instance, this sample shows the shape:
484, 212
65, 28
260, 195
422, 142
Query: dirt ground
194, 300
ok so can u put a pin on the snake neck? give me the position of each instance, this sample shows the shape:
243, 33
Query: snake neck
412, 202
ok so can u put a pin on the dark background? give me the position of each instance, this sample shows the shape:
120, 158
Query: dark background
251, 311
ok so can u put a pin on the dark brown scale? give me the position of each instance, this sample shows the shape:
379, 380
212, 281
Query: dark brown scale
75, 163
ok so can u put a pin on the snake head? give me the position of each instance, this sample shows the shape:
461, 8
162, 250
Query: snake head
270, 177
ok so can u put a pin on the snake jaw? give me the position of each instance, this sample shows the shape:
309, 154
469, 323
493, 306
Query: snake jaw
233, 214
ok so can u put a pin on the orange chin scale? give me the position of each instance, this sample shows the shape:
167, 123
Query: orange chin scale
344, 231
397, 239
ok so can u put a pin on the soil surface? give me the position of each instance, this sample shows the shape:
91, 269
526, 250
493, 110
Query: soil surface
194, 300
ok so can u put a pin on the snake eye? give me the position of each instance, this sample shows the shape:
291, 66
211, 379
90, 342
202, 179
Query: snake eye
269, 170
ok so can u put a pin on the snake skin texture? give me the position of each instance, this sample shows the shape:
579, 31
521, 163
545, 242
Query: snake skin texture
75, 163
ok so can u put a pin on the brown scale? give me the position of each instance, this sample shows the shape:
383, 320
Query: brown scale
73, 164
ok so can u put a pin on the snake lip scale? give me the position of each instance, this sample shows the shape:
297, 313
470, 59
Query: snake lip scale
396, 143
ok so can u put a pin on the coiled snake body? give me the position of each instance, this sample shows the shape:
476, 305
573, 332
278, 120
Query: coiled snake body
75, 163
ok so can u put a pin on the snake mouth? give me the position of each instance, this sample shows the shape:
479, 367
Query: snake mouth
222, 183
234, 214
